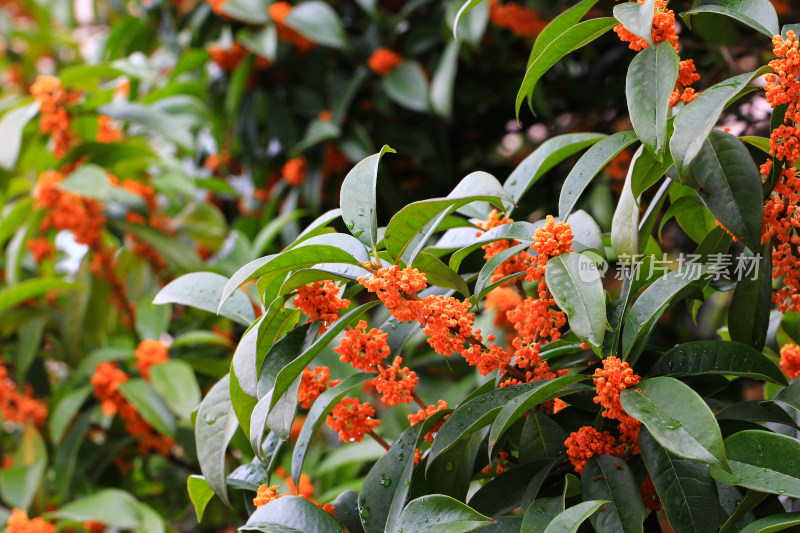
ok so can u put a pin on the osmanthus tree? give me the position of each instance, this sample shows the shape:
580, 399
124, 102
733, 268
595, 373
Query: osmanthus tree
581, 417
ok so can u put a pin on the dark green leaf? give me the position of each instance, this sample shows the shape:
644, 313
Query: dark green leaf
748, 314
451, 515
609, 478
147, 403
771, 524
541, 438
317, 21
574, 281
569, 520
758, 14
292, 514
357, 198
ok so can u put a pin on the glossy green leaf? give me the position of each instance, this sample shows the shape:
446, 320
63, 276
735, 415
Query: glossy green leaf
696, 120
637, 18
589, 165
771, 524
20, 481
281, 353
439, 274
203, 290
173, 127
214, 429
728, 358
569, 521
357, 198
11, 127
14, 294
407, 85
625, 223
200, 494
575, 283
540, 513
677, 418
649, 85
177, 385
520, 231
65, 410
316, 416
758, 14
647, 171
541, 437
147, 403
609, 478
731, 186
748, 314
292, 514
572, 39
452, 516
762, 461
112, 507
442, 84
462, 11
687, 492
549, 154
318, 22
563, 22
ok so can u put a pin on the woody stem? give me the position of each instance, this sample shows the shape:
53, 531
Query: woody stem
379, 440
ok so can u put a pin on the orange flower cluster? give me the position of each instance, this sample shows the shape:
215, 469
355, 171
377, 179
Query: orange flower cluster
82, 216
266, 494
448, 324
278, 12
790, 360
41, 249
521, 20
550, 240
19, 522
396, 384
108, 131
313, 383
54, 119
107, 379
352, 420
19, 407
227, 58
503, 300
294, 171
517, 263
363, 349
664, 30
587, 442
320, 301
397, 288
383, 61
611, 380
148, 353
424, 414
781, 217
526, 354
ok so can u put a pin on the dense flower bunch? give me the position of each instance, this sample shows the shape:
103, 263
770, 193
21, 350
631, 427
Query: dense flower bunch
610, 381
19, 407
148, 353
19, 522
517, 263
383, 61
352, 420
781, 218
294, 171
320, 301
790, 360
363, 349
664, 30
54, 118
397, 289
107, 379
313, 383
520, 20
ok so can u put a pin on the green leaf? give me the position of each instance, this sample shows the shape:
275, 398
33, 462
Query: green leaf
280, 354
748, 314
549, 154
575, 283
386, 486
20, 481
625, 224
214, 429
316, 416
609, 478
651, 305
506, 491
346, 510
11, 127
65, 410
569, 521
176, 128
687, 492
444, 77
317, 21
408, 229
521, 231
790, 395
589, 165
696, 120
250, 11
762, 461
677, 418
407, 85
647, 171
357, 199
175, 382
570, 40
89, 181
758, 14
731, 186
439, 274
148, 404
541, 438
649, 85
151, 320
291, 371
291, 514
563, 22
637, 18
452, 516
727, 358
540, 513
771, 524
523, 402
200, 494
463, 10
14, 294
202, 290
113, 507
